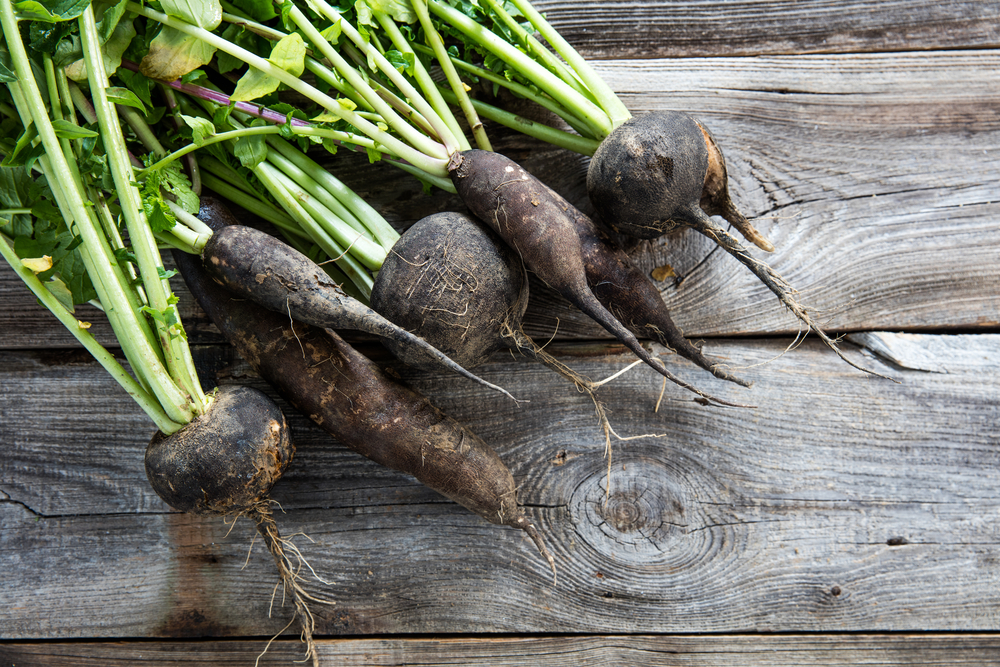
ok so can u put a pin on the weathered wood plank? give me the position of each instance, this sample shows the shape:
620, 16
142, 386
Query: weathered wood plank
658, 28
841, 504
949, 650
875, 177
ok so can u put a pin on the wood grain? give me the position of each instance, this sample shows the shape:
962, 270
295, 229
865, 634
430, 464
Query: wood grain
950, 650
841, 503
657, 28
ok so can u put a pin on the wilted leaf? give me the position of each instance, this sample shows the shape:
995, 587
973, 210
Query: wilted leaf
661, 273
37, 264
172, 54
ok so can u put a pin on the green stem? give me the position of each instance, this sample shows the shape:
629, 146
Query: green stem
427, 85
143, 132
356, 241
194, 173
454, 80
437, 181
522, 91
589, 112
416, 139
415, 98
252, 204
294, 202
172, 400
548, 134
383, 232
425, 161
172, 242
189, 229
172, 341
606, 97
313, 187
534, 49
312, 64
144, 399
328, 76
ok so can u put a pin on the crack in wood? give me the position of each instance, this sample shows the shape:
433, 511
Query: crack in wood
6, 499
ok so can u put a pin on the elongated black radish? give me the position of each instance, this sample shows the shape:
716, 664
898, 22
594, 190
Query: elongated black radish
553, 238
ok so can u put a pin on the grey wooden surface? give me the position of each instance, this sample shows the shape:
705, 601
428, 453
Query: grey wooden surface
865, 139
946, 650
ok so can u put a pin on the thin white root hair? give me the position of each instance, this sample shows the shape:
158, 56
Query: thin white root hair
663, 390
608, 379
800, 338
270, 641
343, 254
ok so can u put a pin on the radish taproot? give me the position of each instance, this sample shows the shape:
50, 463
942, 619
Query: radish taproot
456, 285
226, 460
663, 171
453, 282
352, 399
566, 251
659, 172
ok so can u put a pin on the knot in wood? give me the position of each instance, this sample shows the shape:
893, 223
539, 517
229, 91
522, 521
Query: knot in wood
643, 516
625, 511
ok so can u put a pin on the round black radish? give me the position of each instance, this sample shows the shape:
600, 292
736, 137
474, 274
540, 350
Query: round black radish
456, 285
260, 267
662, 171
659, 172
226, 460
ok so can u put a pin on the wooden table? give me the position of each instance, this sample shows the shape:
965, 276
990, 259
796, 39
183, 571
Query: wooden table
846, 520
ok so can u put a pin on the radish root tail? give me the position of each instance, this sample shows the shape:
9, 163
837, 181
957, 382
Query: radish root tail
536, 537
523, 343
268, 529
775, 283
